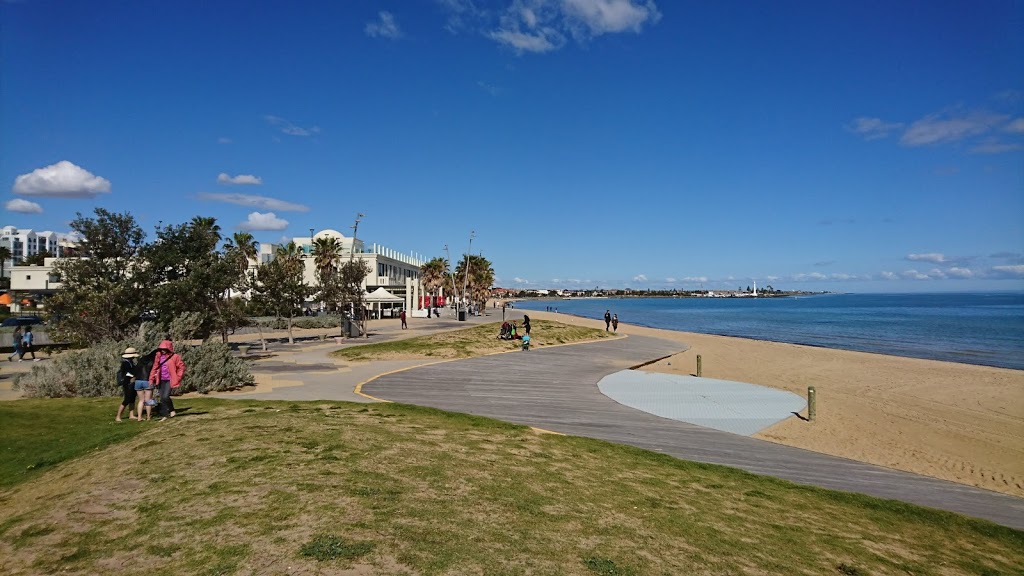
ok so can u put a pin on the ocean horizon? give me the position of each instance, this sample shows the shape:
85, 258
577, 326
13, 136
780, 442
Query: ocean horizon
983, 328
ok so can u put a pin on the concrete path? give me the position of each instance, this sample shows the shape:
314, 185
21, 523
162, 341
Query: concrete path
556, 389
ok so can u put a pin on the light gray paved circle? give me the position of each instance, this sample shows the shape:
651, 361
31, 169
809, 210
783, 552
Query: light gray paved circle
735, 407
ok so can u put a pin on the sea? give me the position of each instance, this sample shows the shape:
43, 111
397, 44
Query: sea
985, 328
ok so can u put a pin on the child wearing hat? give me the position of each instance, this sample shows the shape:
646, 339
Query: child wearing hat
126, 379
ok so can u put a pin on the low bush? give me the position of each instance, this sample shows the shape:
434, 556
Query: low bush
210, 367
274, 323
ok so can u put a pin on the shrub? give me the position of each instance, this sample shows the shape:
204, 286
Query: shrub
274, 323
92, 371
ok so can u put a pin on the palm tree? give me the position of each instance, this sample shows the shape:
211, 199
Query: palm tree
326, 257
480, 278
434, 274
5, 255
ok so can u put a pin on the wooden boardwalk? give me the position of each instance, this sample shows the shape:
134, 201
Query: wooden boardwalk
556, 389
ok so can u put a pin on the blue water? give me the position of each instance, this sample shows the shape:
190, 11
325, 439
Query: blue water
972, 328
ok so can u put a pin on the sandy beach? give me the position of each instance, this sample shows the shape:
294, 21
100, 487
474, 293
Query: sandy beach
957, 422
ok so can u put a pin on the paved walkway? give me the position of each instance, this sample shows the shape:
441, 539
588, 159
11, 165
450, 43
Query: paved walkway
556, 389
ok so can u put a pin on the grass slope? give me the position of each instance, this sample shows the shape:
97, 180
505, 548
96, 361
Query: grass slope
469, 342
240, 487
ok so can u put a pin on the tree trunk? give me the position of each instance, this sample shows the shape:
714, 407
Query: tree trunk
263, 341
291, 339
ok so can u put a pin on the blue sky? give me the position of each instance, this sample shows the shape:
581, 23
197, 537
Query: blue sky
845, 146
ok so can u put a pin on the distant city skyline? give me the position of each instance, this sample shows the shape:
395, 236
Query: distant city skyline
865, 147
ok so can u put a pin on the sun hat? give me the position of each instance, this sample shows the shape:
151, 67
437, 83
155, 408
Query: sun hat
130, 353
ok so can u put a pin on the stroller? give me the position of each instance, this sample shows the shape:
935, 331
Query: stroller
506, 331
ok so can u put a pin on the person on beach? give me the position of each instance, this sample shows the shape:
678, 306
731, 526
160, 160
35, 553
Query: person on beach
168, 370
26, 345
615, 322
607, 319
126, 379
16, 339
526, 324
402, 316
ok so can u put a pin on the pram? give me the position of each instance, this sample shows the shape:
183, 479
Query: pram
506, 331
526, 342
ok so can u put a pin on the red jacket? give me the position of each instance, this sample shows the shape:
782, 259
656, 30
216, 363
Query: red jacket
175, 365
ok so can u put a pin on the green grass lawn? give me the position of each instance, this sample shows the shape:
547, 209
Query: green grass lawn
469, 342
247, 487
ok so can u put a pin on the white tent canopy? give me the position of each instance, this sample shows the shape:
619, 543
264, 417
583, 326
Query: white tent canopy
381, 295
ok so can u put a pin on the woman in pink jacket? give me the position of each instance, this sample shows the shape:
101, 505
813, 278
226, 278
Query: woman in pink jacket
167, 372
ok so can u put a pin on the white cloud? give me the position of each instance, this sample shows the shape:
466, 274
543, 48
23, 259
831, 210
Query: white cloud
889, 276
544, 40
254, 201
813, 276
519, 280
914, 275
933, 257
23, 206
609, 16
995, 146
223, 178
639, 278
960, 272
291, 129
695, 279
1014, 271
1015, 126
872, 128
258, 221
384, 27
937, 274
540, 26
939, 128
670, 280
61, 180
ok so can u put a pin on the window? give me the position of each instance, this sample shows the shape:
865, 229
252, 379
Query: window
28, 276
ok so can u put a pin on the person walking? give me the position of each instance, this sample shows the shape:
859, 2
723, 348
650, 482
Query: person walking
27, 340
607, 319
526, 324
16, 341
615, 322
126, 379
402, 316
168, 370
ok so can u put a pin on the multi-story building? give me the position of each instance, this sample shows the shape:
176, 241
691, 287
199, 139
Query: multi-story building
395, 272
25, 242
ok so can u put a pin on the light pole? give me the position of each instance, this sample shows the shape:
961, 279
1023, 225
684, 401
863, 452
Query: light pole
451, 274
355, 231
465, 283
359, 290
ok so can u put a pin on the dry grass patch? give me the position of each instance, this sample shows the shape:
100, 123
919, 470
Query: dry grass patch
469, 342
312, 488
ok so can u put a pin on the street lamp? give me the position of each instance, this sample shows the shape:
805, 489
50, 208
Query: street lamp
465, 283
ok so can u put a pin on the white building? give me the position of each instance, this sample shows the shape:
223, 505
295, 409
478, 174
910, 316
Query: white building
25, 242
38, 279
396, 272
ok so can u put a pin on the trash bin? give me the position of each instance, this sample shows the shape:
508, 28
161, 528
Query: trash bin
462, 315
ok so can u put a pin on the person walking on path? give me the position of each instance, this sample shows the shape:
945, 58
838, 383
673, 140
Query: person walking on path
168, 370
526, 324
615, 322
16, 340
126, 379
26, 345
402, 316
607, 319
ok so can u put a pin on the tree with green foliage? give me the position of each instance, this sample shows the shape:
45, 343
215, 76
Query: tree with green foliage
353, 276
433, 275
5, 255
479, 280
190, 274
326, 260
37, 259
106, 291
280, 286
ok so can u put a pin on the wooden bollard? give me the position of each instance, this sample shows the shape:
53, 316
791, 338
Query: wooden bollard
812, 408
698, 366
